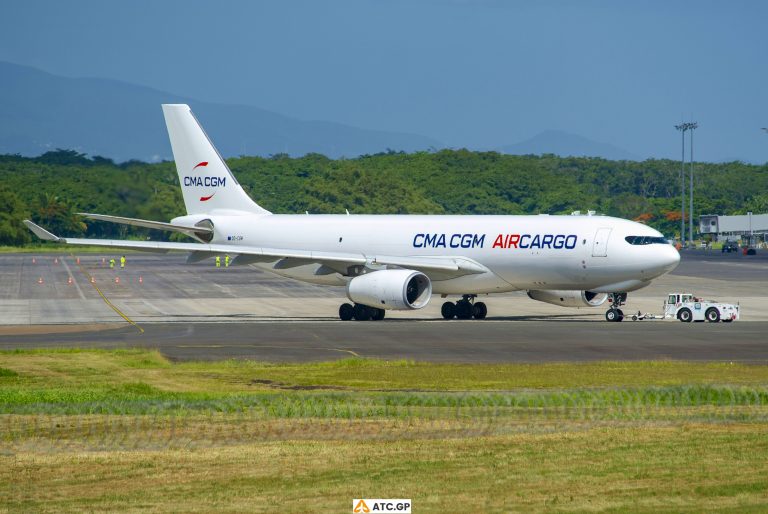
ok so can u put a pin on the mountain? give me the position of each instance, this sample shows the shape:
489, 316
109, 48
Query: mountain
566, 144
41, 112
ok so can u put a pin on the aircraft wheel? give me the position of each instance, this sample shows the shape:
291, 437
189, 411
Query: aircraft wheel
346, 312
378, 314
464, 309
611, 315
621, 315
362, 312
448, 310
480, 311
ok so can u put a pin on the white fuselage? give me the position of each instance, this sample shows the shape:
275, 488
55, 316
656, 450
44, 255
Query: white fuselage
520, 252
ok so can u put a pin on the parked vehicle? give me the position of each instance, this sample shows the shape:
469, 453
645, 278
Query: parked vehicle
730, 246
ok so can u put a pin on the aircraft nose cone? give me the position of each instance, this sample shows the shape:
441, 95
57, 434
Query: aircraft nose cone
669, 258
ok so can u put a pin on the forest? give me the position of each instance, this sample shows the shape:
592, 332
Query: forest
52, 188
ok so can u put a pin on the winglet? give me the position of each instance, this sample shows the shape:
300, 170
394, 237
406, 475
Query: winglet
41, 232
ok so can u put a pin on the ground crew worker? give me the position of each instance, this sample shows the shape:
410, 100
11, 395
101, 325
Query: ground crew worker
122, 261
226, 261
112, 263
218, 261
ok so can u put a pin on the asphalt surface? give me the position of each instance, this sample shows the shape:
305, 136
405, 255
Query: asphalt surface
510, 340
172, 301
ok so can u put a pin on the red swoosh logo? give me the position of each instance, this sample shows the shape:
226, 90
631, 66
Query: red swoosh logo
206, 198
204, 163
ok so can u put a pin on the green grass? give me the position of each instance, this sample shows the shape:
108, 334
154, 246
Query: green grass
129, 430
78, 368
687, 468
6, 373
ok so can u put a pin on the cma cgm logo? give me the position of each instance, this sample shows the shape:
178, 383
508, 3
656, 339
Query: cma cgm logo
208, 182
524, 241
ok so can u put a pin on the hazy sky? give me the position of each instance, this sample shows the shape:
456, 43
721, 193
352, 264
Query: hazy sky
467, 72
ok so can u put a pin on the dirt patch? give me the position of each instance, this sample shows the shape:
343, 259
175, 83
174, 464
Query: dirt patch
286, 387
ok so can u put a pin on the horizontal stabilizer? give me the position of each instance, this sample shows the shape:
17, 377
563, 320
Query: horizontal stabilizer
40, 231
158, 225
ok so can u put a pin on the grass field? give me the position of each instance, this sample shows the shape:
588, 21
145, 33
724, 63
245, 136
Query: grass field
128, 430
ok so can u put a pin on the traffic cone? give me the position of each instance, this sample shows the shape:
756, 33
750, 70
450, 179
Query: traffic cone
141, 280
78, 260
93, 280
69, 281
34, 261
55, 260
117, 280
40, 280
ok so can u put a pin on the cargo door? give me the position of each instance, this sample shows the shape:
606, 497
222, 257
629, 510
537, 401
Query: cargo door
600, 245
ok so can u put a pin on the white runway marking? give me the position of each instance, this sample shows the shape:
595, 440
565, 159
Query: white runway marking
74, 280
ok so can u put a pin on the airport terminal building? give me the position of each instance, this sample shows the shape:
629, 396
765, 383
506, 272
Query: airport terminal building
750, 228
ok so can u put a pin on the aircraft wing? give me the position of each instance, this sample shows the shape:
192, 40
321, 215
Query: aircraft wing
441, 267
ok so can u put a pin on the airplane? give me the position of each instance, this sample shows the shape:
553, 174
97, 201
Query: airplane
397, 262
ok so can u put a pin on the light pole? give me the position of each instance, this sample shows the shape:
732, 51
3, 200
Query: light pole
682, 128
691, 126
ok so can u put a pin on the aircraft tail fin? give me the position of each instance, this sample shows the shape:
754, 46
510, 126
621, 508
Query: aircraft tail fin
207, 184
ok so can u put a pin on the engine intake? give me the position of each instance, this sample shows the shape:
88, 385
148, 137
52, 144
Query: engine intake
398, 289
569, 298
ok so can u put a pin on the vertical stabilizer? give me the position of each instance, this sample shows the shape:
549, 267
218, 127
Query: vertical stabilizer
206, 181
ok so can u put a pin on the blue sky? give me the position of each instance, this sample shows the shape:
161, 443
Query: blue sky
473, 73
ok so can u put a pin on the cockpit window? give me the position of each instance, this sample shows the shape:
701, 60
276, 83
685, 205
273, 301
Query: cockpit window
645, 240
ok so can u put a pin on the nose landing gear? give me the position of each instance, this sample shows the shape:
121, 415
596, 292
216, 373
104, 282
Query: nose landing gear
466, 308
615, 313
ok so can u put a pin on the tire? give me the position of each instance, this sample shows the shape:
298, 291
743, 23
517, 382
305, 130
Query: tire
634, 317
448, 310
346, 312
712, 315
362, 312
480, 311
464, 309
621, 315
685, 315
611, 315
378, 314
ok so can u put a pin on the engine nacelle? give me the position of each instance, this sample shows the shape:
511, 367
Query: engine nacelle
569, 298
397, 289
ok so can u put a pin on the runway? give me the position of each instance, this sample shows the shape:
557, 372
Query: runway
200, 312
511, 340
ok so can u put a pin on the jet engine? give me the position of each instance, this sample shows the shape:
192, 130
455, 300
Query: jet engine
569, 298
397, 289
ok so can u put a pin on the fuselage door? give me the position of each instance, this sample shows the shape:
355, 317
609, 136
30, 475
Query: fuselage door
600, 246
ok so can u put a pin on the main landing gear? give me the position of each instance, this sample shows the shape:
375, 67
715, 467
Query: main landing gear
615, 313
466, 308
360, 312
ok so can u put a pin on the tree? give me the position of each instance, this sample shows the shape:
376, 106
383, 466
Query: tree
57, 216
12, 212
